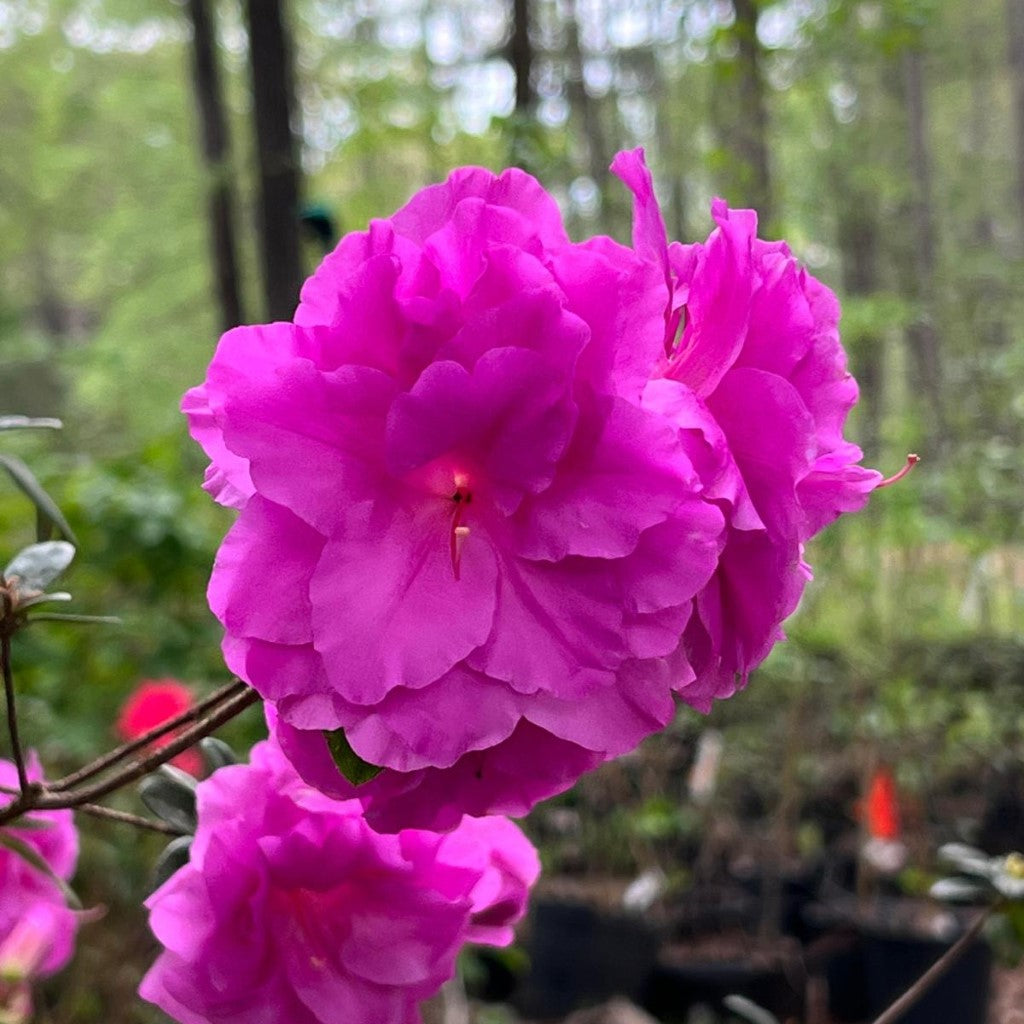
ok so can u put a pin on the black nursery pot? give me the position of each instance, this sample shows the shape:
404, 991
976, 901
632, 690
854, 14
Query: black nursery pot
893, 962
676, 988
580, 956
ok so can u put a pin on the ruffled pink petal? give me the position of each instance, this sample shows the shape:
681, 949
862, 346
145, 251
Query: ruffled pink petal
270, 552
407, 620
311, 436
434, 206
625, 472
227, 478
718, 304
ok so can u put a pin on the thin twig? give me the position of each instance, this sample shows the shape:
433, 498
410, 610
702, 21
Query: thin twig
937, 969
192, 714
98, 811
12, 711
37, 797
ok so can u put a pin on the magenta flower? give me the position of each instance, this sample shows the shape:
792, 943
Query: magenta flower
37, 928
753, 375
292, 908
465, 539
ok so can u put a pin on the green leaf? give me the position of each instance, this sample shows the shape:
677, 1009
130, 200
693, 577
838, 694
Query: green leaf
29, 423
57, 595
46, 507
32, 856
38, 565
174, 857
216, 753
171, 795
348, 762
99, 620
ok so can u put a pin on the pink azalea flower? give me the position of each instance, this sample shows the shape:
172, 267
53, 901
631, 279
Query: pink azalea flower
37, 928
755, 378
292, 908
466, 536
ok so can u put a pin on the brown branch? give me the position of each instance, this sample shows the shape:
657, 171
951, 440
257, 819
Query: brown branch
192, 714
38, 798
937, 969
12, 711
97, 811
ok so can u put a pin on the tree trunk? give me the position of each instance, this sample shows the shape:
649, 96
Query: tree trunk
586, 108
1015, 33
273, 102
858, 237
216, 151
522, 56
922, 333
751, 123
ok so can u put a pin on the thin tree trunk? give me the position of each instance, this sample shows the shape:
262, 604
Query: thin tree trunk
1015, 33
751, 143
858, 237
922, 333
584, 105
273, 102
216, 150
522, 55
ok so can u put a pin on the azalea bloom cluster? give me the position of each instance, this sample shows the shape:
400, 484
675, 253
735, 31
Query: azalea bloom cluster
37, 928
292, 908
504, 497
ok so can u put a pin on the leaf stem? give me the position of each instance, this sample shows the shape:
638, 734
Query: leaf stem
937, 969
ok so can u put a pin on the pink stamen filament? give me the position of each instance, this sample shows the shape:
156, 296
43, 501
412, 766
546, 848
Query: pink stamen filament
912, 461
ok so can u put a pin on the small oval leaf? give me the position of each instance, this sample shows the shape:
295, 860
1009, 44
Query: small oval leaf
348, 762
174, 857
46, 507
216, 753
38, 565
30, 423
57, 595
171, 795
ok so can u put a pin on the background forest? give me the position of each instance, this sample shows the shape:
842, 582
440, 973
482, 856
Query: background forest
150, 197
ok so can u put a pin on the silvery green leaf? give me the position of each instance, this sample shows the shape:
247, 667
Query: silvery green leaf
86, 620
959, 890
30, 423
57, 595
38, 565
46, 508
216, 753
174, 857
171, 795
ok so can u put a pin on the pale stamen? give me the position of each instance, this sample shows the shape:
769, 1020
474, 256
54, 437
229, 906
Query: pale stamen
459, 535
462, 497
912, 461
